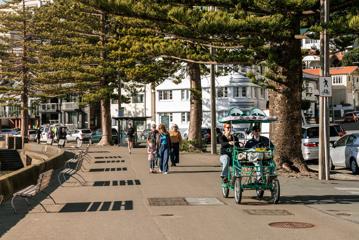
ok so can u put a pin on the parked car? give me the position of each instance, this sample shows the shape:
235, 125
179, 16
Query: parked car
45, 131
345, 152
32, 135
79, 135
310, 139
351, 116
97, 135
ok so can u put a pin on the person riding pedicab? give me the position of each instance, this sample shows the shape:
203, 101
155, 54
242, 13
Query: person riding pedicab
227, 141
258, 141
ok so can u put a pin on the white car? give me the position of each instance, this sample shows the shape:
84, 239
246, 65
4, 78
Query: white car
345, 152
79, 135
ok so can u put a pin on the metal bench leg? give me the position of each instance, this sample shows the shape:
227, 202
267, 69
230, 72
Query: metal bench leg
49, 196
43, 207
77, 179
12, 203
80, 177
59, 179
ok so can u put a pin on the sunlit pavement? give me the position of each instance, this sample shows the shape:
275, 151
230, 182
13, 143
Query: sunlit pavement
122, 200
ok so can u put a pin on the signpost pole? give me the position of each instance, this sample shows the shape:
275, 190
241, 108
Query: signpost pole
325, 92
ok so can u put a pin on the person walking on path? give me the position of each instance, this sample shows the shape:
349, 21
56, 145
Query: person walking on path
164, 143
130, 137
151, 152
176, 140
38, 135
152, 136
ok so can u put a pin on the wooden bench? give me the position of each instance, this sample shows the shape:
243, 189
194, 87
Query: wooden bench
43, 182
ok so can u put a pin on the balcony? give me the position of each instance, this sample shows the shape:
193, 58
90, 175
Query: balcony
69, 106
48, 107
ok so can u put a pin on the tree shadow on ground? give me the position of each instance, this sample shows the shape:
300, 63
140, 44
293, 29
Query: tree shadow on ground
319, 199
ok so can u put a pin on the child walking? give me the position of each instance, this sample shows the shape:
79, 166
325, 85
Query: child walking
151, 151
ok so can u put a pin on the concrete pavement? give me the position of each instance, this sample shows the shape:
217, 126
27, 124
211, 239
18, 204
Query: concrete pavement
111, 206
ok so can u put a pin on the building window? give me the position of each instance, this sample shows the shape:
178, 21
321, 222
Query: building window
222, 92
185, 117
170, 115
244, 91
184, 95
165, 95
255, 91
262, 92
236, 92
138, 98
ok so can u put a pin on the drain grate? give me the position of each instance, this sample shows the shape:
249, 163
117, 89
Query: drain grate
291, 225
174, 201
268, 212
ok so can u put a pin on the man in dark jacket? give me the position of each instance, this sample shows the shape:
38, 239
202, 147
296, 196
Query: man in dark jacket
227, 141
257, 140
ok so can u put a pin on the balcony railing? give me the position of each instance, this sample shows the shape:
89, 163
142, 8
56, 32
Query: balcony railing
69, 106
48, 107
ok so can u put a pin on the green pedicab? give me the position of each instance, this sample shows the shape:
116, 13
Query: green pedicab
251, 168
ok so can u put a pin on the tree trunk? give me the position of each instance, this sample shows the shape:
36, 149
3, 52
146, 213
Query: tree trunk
106, 122
105, 101
285, 103
194, 133
25, 82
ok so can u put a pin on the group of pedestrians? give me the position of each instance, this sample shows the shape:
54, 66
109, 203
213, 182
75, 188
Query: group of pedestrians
162, 146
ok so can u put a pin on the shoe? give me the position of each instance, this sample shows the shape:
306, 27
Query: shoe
159, 170
165, 173
173, 165
151, 171
224, 179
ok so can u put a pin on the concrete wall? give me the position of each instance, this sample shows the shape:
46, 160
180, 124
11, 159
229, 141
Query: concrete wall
17, 180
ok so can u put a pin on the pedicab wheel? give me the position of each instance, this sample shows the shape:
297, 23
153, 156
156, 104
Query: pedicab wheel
238, 190
225, 190
260, 194
275, 191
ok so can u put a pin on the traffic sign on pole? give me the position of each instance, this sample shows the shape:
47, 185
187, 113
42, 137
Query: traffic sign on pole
325, 86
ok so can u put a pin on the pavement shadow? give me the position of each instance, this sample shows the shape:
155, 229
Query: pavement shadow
9, 219
319, 199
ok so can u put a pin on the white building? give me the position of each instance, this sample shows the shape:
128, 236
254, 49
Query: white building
173, 99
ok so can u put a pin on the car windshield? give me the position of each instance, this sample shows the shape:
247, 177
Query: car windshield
86, 131
314, 132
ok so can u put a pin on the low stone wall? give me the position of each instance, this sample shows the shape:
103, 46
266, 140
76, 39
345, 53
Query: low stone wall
17, 180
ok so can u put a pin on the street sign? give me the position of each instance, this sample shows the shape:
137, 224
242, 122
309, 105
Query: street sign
325, 86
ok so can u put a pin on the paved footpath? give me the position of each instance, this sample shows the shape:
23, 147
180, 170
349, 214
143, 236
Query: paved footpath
115, 204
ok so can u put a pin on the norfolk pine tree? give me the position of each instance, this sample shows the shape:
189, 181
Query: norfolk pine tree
15, 58
268, 30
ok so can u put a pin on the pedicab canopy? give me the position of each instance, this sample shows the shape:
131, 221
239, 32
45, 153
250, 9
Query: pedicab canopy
236, 116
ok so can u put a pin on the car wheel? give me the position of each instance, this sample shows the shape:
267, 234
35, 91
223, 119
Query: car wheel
332, 167
354, 166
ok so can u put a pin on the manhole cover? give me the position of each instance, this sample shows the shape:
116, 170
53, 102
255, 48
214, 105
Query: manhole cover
291, 225
268, 212
176, 201
203, 201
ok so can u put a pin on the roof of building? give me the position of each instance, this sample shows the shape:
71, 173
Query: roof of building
333, 71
